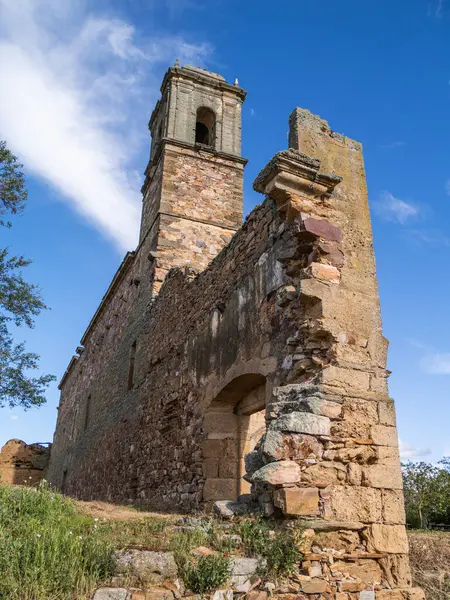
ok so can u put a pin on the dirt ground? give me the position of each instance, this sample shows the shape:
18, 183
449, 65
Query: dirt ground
430, 563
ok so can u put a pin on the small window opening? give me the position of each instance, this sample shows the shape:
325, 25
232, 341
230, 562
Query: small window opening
205, 127
64, 481
86, 414
131, 366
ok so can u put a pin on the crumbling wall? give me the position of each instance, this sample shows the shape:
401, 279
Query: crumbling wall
201, 333
21, 463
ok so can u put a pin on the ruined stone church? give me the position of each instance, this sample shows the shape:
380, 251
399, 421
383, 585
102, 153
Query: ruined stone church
233, 359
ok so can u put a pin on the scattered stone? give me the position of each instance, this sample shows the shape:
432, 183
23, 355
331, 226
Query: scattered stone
223, 595
203, 551
270, 587
149, 567
227, 509
243, 572
112, 594
256, 595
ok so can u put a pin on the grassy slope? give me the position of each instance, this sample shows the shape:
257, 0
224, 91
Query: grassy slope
52, 548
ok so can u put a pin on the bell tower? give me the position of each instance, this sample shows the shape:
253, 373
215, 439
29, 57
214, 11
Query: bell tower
193, 189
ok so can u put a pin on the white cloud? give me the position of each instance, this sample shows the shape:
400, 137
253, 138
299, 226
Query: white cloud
76, 93
14, 418
436, 364
407, 451
391, 208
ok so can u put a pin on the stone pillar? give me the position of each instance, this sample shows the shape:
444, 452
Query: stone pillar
330, 454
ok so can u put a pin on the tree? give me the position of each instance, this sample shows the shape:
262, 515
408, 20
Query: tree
427, 493
19, 300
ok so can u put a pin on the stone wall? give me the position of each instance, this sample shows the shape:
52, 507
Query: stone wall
22, 463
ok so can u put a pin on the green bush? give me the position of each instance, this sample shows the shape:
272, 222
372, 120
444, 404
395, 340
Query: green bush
256, 537
209, 573
47, 550
276, 549
282, 556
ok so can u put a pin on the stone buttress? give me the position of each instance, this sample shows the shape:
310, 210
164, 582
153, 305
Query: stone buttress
330, 453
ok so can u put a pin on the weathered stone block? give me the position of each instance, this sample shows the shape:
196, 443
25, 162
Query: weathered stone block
315, 586
383, 476
389, 595
324, 474
212, 448
343, 540
396, 570
325, 273
352, 503
299, 422
297, 501
386, 412
382, 435
297, 446
278, 473
220, 489
147, 566
388, 538
211, 468
367, 570
320, 228
350, 379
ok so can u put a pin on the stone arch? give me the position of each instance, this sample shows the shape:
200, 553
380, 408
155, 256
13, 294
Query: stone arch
233, 424
205, 127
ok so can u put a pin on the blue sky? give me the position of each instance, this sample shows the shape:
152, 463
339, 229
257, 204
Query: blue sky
78, 82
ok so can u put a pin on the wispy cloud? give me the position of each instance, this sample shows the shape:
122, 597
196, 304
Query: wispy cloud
76, 92
408, 451
436, 363
433, 237
390, 208
447, 185
439, 9
392, 145
14, 417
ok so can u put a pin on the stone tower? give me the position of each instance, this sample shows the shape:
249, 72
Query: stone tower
192, 194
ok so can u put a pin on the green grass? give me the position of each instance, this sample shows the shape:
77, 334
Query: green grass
51, 551
47, 550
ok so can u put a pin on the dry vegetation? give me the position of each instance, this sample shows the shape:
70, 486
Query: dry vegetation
430, 563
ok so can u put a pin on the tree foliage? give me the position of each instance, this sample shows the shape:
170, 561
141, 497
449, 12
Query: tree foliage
13, 192
427, 493
20, 301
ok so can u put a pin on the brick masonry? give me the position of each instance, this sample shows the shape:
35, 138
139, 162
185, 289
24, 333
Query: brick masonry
220, 364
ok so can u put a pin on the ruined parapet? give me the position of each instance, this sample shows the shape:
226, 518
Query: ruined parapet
22, 463
330, 453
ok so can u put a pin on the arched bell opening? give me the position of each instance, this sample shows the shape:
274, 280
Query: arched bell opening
205, 127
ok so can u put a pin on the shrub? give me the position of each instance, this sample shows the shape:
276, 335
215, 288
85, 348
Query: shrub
256, 537
47, 550
282, 556
277, 549
209, 573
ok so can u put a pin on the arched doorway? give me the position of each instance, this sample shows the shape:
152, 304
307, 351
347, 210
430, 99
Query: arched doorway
234, 423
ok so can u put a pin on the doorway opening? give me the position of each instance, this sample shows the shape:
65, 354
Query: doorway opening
234, 423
